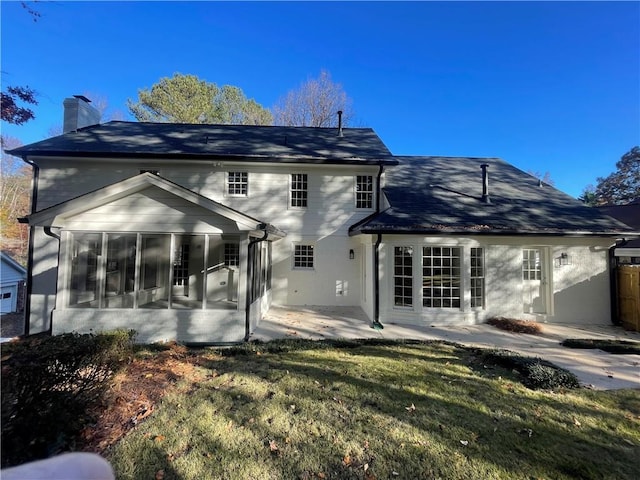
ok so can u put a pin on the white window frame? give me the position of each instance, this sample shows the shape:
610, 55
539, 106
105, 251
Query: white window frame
244, 181
305, 191
445, 263
358, 192
477, 275
402, 276
295, 255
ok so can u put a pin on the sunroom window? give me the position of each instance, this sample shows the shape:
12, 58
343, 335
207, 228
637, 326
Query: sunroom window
152, 271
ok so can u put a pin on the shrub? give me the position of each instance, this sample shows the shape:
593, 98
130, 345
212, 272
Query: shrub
49, 385
536, 373
611, 346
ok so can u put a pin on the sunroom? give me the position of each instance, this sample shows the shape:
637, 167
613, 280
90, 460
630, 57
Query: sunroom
152, 256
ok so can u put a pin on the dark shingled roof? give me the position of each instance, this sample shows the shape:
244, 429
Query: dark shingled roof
439, 195
238, 142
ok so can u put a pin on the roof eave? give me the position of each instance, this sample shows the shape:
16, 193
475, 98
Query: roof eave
209, 157
490, 232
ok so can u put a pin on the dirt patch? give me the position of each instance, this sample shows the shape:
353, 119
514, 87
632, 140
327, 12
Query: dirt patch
136, 391
11, 324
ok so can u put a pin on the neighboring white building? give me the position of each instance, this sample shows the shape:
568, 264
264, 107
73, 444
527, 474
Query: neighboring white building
12, 278
190, 232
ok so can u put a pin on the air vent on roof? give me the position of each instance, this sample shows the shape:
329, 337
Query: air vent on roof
340, 134
485, 183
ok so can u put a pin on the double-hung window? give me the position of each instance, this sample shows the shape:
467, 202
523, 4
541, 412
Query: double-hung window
364, 191
403, 276
477, 277
299, 190
238, 184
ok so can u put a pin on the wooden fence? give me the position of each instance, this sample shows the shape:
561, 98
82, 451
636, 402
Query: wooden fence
629, 296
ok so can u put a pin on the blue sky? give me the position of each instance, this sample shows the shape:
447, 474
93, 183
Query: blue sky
547, 86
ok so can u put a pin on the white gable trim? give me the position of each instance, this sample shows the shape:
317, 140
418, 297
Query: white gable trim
56, 215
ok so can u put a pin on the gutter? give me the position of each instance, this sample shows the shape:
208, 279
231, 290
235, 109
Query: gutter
613, 282
250, 274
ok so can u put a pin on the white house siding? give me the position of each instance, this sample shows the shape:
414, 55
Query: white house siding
325, 222
43, 280
189, 326
150, 210
578, 291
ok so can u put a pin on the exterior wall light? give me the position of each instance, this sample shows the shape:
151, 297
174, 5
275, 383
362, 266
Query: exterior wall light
352, 254
562, 260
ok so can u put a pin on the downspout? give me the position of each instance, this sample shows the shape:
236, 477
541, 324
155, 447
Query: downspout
29, 289
48, 232
376, 262
250, 274
613, 282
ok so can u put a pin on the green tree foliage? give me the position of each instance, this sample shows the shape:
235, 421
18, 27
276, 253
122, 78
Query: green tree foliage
15, 199
314, 104
187, 99
622, 186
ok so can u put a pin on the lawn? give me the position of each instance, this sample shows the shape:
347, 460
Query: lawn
372, 410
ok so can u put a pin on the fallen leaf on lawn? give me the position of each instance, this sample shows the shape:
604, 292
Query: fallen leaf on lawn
394, 473
346, 461
411, 408
366, 444
159, 438
366, 467
273, 446
576, 422
148, 375
160, 475
321, 475
464, 442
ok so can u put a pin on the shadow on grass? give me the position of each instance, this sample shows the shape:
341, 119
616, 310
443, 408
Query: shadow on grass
298, 409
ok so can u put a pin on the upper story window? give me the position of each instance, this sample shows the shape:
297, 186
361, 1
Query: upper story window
299, 190
238, 183
303, 256
364, 191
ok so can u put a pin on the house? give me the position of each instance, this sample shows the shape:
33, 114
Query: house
191, 232
626, 252
12, 280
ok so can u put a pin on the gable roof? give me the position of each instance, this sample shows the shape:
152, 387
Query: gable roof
9, 261
49, 216
442, 195
238, 142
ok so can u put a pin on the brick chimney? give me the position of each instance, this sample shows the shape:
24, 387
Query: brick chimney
79, 113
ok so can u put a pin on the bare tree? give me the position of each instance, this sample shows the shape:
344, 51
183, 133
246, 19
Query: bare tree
314, 104
15, 198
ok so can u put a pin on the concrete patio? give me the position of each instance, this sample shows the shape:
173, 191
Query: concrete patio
594, 368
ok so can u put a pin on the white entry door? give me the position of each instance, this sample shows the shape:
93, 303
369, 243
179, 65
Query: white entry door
534, 280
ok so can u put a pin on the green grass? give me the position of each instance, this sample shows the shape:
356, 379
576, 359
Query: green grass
377, 410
